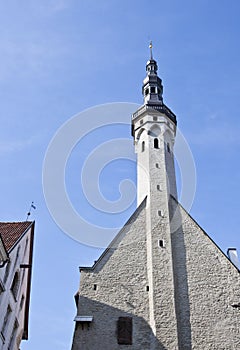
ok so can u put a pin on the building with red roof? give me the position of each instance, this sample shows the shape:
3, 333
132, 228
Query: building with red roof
16, 252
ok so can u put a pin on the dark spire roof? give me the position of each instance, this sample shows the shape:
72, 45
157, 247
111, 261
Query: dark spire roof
152, 85
152, 90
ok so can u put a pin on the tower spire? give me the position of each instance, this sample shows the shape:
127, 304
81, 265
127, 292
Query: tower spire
152, 85
150, 47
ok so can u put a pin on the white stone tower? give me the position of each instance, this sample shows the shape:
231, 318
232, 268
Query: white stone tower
154, 129
162, 284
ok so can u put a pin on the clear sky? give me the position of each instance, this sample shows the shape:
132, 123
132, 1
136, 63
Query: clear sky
59, 58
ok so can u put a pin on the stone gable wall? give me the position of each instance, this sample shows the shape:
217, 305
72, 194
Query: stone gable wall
121, 279
208, 284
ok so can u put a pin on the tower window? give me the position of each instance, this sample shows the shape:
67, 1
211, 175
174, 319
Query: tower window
94, 287
143, 146
155, 119
160, 213
147, 288
157, 165
141, 121
159, 187
155, 143
124, 330
161, 243
152, 89
146, 92
168, 147
159, 91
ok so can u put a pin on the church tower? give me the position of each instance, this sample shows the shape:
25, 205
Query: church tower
162, 284
154, 129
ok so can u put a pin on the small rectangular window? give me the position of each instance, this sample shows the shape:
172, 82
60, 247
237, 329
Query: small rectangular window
141, 121
124, 330
94, 287
159, 187
152, 89
161, 243
155, 119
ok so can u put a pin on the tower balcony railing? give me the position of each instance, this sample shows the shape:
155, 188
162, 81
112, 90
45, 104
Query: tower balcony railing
162, 108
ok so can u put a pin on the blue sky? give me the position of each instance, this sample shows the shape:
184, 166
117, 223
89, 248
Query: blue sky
59, 58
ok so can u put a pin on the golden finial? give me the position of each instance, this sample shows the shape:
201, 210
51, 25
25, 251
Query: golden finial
150, 47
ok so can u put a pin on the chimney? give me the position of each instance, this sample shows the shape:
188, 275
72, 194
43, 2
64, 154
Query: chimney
233, 256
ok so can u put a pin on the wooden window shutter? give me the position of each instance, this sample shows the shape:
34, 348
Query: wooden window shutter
124, 328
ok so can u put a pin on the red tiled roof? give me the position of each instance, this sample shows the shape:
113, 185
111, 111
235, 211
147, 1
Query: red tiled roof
12, 231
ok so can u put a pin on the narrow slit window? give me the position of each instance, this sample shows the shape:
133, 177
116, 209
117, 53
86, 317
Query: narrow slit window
94, 287
141, 121
143, 146
160, 213
157, 165
161, 243
147, 288
155, 143
159, 187
168, 148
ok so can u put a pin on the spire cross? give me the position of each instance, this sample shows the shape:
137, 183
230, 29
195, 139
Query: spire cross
150, 47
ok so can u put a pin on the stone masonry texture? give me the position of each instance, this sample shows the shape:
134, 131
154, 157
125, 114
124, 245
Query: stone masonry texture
206, 285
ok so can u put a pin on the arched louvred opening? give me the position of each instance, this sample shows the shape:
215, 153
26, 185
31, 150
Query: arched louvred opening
143, 146
156, 143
